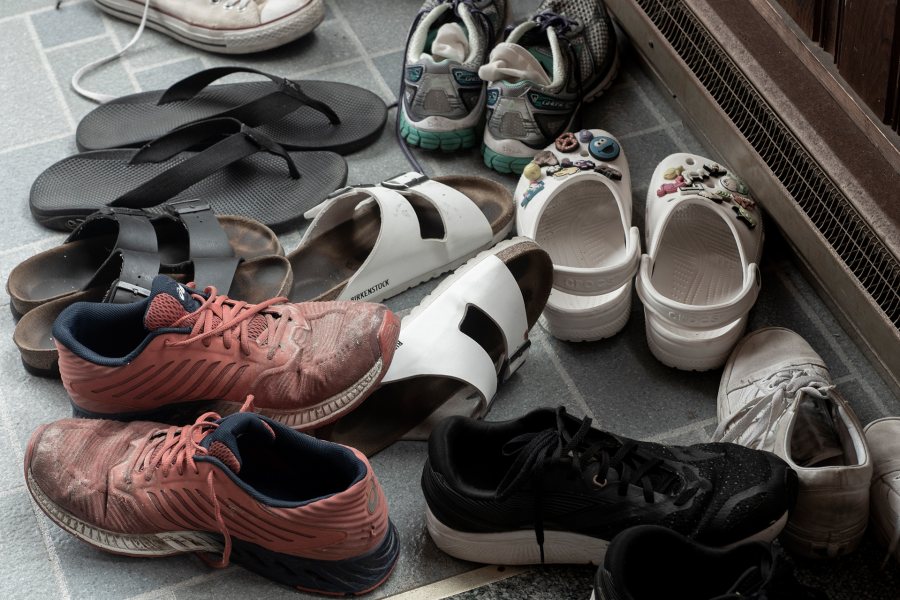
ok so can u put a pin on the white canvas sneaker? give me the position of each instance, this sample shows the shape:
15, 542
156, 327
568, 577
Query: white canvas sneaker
776, 394
883, 437
224, 26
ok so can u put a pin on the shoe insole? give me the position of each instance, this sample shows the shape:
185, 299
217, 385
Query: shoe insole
698, 262
326, 263
137, 118
258, 186
815, 441
70, 267
410, 408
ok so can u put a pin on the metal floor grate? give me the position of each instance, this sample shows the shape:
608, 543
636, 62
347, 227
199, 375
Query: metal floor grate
831, 212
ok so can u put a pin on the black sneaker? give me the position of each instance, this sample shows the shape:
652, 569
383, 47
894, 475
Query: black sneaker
549, 488
653, 563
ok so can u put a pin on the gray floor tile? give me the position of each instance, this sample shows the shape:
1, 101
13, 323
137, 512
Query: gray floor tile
17, 7
152, 49
69, 24
368, 19
10, 465
541, 583
20, 168
620, 110
26, 565
390, 66
159, 78
109, 79
26, 119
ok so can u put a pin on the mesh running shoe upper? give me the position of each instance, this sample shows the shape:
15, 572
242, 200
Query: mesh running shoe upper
575, 44
243, 475
180, 345
549, 470
448, 42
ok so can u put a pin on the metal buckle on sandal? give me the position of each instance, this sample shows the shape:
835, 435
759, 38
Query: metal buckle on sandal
404, 181
347, 188
512, 364
121, 210
122, 292
183, 207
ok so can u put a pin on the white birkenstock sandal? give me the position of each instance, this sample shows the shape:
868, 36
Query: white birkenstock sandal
455, 347
575, 201
699, 277
373, 242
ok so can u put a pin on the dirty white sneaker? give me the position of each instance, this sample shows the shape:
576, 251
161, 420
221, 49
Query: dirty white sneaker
224, 26
776, 394
883, 437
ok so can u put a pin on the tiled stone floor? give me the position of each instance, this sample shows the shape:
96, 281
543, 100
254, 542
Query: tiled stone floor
616, 381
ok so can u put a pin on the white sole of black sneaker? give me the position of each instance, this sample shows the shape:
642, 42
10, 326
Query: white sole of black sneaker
521, 548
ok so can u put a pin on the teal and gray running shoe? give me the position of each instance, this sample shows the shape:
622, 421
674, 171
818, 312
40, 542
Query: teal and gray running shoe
443, 97
540, 76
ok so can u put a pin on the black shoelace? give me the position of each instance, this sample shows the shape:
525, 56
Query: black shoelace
535, 452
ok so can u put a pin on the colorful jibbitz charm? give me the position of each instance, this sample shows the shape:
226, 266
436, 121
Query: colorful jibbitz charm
565, 163
604, 148
567, 142
566, 171
733, 184
533, 190
545, 158
698, 175
553, 170
672, 172
613, 174
585, 136
745, 216
744, 201
670, 188
693, 188
532, 171
585, 165
714, 169
715, 197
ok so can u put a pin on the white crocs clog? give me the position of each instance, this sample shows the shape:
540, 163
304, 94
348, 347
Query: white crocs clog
575, 201
699, 277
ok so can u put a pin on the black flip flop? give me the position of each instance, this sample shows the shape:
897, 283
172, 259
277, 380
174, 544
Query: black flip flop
239, 171
299, 115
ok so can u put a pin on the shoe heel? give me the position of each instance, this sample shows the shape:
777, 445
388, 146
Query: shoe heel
352, 576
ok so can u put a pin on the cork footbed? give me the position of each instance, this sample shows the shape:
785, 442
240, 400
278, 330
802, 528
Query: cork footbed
68, 268
324, 265
410, 408
255, 280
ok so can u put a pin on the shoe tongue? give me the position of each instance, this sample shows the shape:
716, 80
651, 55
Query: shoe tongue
450, 43
513, 63
168, 302
237, 430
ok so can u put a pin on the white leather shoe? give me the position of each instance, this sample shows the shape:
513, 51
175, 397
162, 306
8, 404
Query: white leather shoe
883, 437
699, 276
776, 394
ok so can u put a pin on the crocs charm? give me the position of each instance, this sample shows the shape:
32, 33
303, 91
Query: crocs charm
613, 174
734, 184
585, 136
532, 171
716, 197
553, 170
585, 165
565, 163
567, 142
533, 190
692, 189
744, 215
743, 201
545, 158
692, 176
714, 169
566, 171
672, 172
604, 148
670, 188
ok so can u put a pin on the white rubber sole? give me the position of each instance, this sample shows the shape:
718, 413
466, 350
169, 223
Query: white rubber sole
521, 548
693, 351
148, 544
223, 41
587, 318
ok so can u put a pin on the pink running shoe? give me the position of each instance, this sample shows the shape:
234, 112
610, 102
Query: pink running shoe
304, 512
180, 352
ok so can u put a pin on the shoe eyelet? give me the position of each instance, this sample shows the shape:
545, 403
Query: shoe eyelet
600, 484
